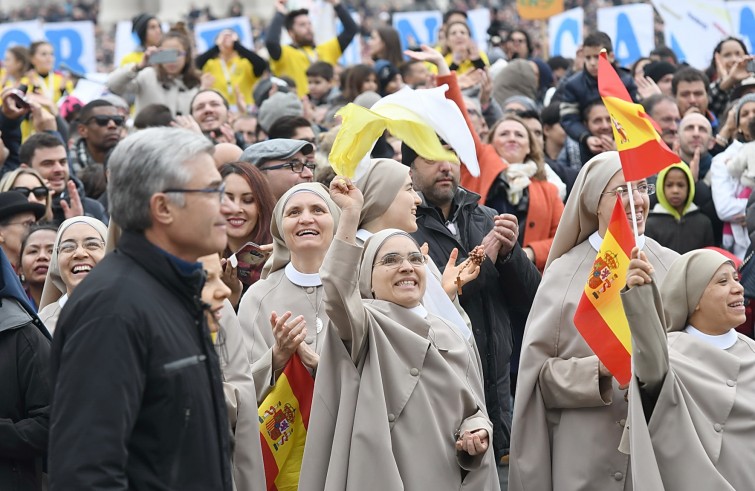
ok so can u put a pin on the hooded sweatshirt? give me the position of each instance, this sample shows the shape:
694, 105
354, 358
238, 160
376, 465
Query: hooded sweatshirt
681, 232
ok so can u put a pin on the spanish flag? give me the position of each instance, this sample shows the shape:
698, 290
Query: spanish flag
640, 147
284, 419
539, 9
600, 314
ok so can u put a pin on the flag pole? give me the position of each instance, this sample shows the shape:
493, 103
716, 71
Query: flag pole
634, 218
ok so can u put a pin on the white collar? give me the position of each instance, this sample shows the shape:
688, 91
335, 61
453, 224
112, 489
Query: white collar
302, 279
596, 240
363, 234
62, 300
419, 310
722, 341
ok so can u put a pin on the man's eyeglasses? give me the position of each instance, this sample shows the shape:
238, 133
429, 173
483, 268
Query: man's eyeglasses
220, 190
623, 192
90, 245
40, 192
104, 120
296, 166
393, 260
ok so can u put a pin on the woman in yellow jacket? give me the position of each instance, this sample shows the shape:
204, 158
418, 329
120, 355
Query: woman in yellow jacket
461, 52
51, 84
15, 66
149, 31
234, 69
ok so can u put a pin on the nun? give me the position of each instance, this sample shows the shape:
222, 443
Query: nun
692, 394
283, 313
569, 412
394, 404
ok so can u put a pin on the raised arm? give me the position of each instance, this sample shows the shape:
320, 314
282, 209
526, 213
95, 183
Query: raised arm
350, 28
340, 270
273, 39
259, 64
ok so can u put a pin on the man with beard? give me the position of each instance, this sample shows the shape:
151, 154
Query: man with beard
100, 128
294, 59
210, 110
498, 301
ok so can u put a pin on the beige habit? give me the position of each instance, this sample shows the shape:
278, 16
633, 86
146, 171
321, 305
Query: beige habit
568, 421
697, 429
282, 289
241, 403
54, 292
379, 186
392, 389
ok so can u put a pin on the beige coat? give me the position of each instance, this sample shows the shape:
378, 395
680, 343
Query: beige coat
568, 421
276, 293
148, 89
700, 434
392, 389
241, 403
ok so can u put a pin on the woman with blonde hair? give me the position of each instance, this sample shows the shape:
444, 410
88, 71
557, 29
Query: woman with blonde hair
30, 183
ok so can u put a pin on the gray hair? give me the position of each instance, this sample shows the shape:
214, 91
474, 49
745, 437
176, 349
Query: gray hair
146, 163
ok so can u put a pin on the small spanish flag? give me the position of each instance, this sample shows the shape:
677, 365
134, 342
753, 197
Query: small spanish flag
284, 419
640, 147
600, 317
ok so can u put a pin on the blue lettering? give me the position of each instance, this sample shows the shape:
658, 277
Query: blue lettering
68, 47
210, 35
568, 26
13, 38
625, 46
410, 38
677, 49
747, 26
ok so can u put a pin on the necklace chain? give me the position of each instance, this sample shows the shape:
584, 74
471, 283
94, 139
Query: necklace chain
319, 304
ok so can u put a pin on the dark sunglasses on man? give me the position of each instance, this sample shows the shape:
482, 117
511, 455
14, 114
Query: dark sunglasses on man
40, 192
104, 120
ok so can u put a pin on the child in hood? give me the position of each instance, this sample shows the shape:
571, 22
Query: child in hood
676, 222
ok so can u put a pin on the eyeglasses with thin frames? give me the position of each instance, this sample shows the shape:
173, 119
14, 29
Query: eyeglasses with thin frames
296, 166
394, 260
623, 191
220, 190
90, 245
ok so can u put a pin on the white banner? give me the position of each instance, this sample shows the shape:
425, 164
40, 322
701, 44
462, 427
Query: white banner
693, 28
742, 16
206, 32
73, 42
415, 28
631, 28
565, 32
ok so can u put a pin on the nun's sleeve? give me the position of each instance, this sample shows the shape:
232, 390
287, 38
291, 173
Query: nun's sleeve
650, 361
343, 303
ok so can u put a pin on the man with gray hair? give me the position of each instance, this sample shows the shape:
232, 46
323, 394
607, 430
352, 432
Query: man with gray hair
138, 398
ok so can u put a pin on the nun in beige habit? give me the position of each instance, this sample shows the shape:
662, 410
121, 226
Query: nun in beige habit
390, 201
302, 228
569, 413
59, 286
692, 397
394, 407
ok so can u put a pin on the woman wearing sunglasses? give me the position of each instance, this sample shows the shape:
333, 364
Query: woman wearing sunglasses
390, 367
29, 183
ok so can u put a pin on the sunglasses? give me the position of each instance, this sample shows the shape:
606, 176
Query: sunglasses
104, 120
40, 192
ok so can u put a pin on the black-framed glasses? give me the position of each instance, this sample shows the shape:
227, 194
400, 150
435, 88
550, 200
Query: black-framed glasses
623, 191
105, 119
394, 260
68, 247
40, 192
220, 190
295, 166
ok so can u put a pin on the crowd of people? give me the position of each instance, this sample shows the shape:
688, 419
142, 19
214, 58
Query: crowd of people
171, 248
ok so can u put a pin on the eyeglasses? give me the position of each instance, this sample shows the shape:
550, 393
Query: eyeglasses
40, 192
104, 120
623, 192
394, 260
90, 245
295, 166
220, 190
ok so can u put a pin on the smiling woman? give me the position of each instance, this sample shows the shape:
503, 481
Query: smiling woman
693, 375
304, 220
79, 246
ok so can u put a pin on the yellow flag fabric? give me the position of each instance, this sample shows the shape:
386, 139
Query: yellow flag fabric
539, 9
361, 127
